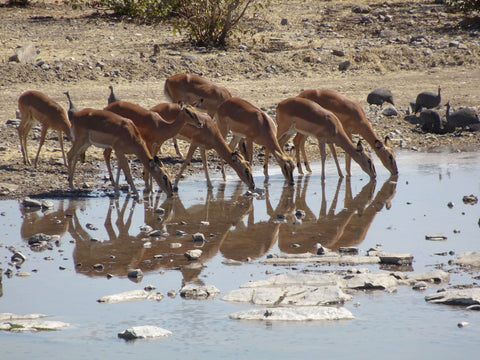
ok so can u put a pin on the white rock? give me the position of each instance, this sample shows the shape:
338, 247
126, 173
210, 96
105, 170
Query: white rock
306, 313
133, 295
464, 297
193, 254
144, 332
199, 292
471, 258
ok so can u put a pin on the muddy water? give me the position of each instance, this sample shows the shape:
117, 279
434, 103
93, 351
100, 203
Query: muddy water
394, 213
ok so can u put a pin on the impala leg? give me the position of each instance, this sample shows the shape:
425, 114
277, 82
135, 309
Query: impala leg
106, 155
323, 155
177, 149
23, 130
72, 158
205, 167
222, 167
190, 152
297, 141
123, 164
334, 154
43, 134
348, 158
60, 136
265, 164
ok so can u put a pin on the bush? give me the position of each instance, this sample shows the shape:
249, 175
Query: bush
207, 22
465, 6
211, 22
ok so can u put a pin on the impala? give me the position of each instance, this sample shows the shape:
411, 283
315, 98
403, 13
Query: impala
354, 121
105, 129
247, 121
207, 137
192, 88
153, 128
299, 115
35, 105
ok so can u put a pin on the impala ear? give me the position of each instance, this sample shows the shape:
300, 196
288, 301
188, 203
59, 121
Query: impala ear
198, 103
181, 104
387, 140
235, 156
360, 146
378, 144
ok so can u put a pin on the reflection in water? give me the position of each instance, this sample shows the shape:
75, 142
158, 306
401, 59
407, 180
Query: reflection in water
227, 220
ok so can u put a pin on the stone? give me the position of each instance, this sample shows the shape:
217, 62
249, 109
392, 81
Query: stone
470, 258
305, 313
31, 203
470, 199
127, 296
436, 237
199, 292
395, 259
155, 233
289, 295
380, 281
144, 332
389, 111
343, 66
198, 237
47, 204
193, 254
18, 258
135, 273
30, 322
25, 54
464, 297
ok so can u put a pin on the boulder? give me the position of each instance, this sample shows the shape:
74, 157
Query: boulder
470, 258
304, 313
289, 295
127, 296
464, 297
144, 332
30, 322
199, 292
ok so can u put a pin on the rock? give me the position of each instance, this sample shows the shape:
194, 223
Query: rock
470, 199
464, 297
127, 296
18, 258
470, 258
421, 285
436, 237
155, 233
450, 204
395, 259
389, 111
361, 9
434, 276
31, 203
289, 295
180, 233
299, 214
462, 324
175, 245
199, 292
193, 254
135, 273
25, 54
337, 52
284, 22
307, 313
30, 322
380, 281
348, 250
343, 66
146, 228
172, 294
198, 237
144, 332
47, 204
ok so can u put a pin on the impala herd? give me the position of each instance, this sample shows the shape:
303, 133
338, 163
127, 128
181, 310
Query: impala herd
128, 128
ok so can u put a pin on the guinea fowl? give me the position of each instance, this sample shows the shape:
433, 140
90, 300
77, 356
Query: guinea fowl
112, 98
379, 96
461, 118
431, 121
427, 100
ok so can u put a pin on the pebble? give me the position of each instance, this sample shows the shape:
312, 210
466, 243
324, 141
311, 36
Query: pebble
462, 324
193, 254
135, 273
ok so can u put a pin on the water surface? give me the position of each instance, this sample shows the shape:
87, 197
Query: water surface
396, 213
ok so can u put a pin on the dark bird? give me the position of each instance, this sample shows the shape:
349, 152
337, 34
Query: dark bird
461, 118
379, 96
71, 108
112, 98
431, 121
427, 100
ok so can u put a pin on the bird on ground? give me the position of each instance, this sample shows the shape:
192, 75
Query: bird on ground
462, 117
379, 96
427, 100
112, 98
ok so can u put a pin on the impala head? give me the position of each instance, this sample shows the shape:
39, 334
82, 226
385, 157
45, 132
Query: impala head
365, 161
161, 176
287, 165
386, 155
192, 116
243, 169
